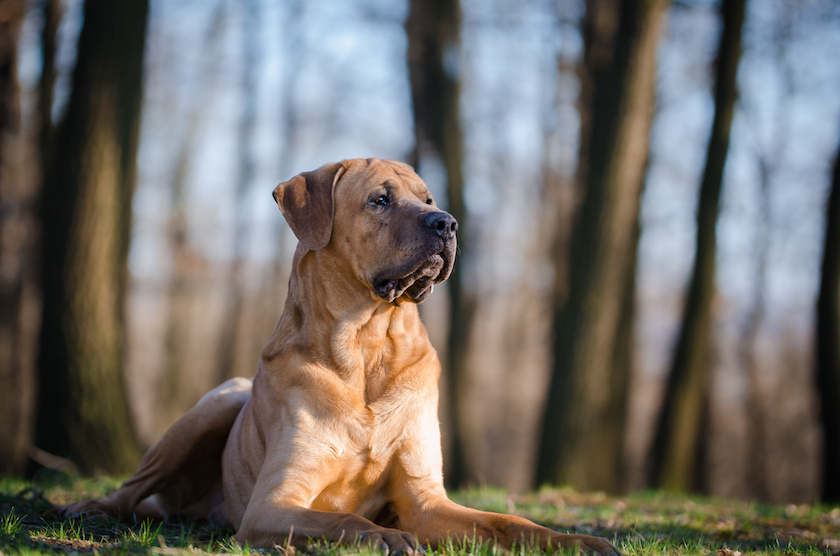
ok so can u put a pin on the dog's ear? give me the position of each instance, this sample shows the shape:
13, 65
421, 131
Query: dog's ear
306, 202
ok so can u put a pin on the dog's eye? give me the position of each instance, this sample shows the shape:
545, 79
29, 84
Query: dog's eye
381, 200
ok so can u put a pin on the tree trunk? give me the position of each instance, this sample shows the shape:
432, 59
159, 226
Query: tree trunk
176, 393
179, 389
584, 415
622, 362
18, 292
748, 345
433, 35
86, 215
828, 344
230, 334
678, 438
52, 12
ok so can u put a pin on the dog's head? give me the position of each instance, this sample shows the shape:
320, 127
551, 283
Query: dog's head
379, 218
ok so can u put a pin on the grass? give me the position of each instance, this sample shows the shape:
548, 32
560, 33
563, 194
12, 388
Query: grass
647, 523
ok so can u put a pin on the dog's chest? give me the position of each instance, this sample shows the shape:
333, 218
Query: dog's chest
359, 481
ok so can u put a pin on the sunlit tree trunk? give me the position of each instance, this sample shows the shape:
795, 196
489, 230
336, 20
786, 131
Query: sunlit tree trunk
769, 156
179, 388
677, 443
748, 344
235, 294
433, 42
583, 424
86, 215
18, 292
175, 393
828, 344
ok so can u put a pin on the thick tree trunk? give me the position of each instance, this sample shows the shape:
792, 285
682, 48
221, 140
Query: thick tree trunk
584, 415
86, 215
433, 35
51, 12
828, 344
677, 443
18, 292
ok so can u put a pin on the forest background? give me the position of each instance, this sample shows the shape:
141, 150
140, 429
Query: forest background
648, 284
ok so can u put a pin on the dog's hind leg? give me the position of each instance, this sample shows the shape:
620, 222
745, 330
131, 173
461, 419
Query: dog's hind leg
181, 474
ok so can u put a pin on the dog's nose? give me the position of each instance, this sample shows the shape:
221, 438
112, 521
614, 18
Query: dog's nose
443, 223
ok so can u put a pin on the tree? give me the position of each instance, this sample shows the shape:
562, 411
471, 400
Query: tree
230, 335
828, 344
587, 395
677, 442
86, 214
433, 33
18, 299
179, 389
52, 12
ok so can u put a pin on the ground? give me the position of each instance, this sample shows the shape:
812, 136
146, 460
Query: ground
648, 523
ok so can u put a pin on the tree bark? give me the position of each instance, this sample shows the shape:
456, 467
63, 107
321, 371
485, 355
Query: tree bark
179, 389
433, 36
52, 12
676, 451
18, 290
587, 396
828, 344
748, 345
86, 215
230, 334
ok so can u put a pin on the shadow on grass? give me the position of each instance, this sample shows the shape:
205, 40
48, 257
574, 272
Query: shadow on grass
23, 529
655, 526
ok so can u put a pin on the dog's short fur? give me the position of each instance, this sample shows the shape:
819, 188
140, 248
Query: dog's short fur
337, 436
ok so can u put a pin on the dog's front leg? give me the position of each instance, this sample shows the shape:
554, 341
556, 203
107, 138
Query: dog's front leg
424, 509
443, 520
278, 525
280, 507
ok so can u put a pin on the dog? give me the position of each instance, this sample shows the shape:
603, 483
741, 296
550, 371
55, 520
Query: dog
337, 435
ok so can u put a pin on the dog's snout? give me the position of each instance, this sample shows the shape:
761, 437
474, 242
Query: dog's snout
443, 223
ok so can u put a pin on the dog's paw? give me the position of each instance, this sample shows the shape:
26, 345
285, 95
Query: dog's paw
392, 541
589, 544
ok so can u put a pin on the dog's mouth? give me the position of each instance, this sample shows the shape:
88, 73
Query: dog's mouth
419, 282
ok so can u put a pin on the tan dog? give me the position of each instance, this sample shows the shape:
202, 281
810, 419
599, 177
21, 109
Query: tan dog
338, 438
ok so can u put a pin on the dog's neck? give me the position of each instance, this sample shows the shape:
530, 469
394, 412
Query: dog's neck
337, 321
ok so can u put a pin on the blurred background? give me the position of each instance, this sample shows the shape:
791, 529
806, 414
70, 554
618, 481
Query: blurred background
648, 284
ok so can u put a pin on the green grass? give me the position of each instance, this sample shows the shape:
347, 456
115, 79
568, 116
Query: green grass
647, 523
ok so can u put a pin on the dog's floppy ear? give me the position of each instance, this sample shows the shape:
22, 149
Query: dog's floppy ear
306, 202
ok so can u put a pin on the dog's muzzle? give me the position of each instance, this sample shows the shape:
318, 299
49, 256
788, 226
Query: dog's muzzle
418, 280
